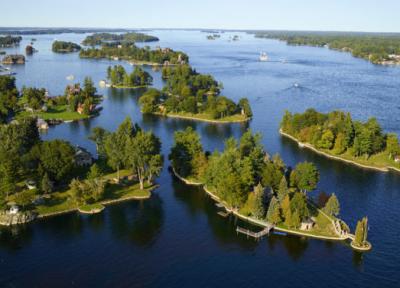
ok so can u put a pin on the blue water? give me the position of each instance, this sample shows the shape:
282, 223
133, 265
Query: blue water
176, 238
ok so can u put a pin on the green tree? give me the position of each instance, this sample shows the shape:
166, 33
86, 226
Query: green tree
332, 206
259, 210
47, 185
392, 145
283, 189
327, 139
305, 177
274, 211
361, 232
140, 152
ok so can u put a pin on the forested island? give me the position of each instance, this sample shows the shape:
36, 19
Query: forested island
76, 103
136, 55
338, 136
189, 94
262, 189
65, 47
10, 41
130, 37
119, 78
42, 178
379, 48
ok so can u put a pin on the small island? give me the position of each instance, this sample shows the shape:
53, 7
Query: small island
191, 95
100, 38
13, 59
65, 47
245, 181
119, 78
42, 178
337, 136
10, 41
135, 55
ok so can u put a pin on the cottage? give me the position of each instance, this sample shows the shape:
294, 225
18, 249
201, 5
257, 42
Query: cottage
42, 124
307, 225
13, 210
30, 184
83, 157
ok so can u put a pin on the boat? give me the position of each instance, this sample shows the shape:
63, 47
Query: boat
263, 57
296, 85
70, 77
280, 233
102, 83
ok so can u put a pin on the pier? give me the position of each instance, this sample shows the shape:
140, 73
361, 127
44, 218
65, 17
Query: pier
255, 235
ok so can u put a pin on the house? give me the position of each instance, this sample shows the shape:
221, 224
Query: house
42, 124
13, 210
83, 157
30, 184
307, 224
397, 159
14, 59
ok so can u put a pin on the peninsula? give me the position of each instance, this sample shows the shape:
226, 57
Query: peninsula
250, 184
45, 178
337, 136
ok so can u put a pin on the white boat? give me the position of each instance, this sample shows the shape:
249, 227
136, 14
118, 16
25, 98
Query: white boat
263, 57
70, 77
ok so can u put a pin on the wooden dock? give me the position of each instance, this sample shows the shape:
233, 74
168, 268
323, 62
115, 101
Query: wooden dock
223, 214
255, 235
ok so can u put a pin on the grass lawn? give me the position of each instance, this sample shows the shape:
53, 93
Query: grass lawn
207, 117
63, 201
55, 113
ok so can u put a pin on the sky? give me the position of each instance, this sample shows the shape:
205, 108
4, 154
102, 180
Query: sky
322, 15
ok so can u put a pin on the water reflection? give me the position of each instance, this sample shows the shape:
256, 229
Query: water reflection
138, 222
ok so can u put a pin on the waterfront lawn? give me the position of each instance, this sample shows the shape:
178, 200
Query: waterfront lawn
62, 201
208, 117
60, 112
91, 208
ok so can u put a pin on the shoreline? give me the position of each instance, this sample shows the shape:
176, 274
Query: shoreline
260, 222
311, 147
104, 203
177, 116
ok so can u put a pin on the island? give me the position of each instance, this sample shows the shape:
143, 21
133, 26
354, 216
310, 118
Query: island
378, 48
246, 181
119, 78
100, 38
65, 47
13, 59
337, 136
42, 178
135, 55
10, 41
76, 103
191, 95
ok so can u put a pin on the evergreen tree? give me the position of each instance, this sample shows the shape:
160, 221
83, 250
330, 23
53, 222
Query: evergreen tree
332, 206
47, 185
259, 209
283, 189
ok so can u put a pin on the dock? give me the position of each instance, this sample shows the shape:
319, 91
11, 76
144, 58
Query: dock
255, 235
223, 214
